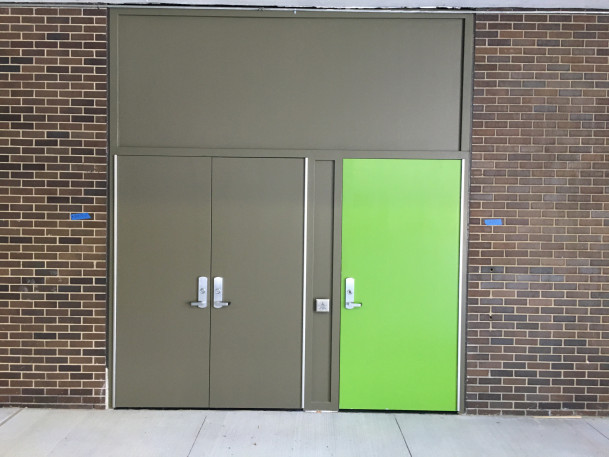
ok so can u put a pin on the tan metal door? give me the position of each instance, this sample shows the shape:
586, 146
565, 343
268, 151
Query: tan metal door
174, 217
163, 239
257, 233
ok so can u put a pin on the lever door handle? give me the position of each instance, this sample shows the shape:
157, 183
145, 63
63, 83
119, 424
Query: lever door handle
350, 294
201, 293
218, 293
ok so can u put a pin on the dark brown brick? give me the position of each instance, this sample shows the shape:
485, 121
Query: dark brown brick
553, 265
44, 284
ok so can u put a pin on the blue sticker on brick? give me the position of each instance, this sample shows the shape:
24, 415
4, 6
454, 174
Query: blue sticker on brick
493, 222
80, 216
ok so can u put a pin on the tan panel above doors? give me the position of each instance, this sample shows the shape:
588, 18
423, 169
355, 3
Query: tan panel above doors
297, 82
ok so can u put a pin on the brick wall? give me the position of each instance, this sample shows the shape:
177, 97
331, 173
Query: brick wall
538, 328
538, 336
52, 163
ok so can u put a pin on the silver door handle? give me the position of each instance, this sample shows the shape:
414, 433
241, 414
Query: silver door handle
201, 293
218, 292
350, 294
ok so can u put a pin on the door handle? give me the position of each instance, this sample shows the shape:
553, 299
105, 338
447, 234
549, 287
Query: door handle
201, 293
218, 292
350, 294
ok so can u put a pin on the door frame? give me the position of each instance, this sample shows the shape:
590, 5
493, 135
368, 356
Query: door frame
311, 157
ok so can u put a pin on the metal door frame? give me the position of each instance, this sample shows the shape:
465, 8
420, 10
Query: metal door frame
463, 153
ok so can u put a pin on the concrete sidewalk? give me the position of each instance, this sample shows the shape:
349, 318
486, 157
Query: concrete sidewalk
130, 433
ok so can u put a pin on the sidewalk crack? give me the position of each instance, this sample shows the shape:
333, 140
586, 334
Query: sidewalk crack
403, 437
10, 417
601, 433
197, 437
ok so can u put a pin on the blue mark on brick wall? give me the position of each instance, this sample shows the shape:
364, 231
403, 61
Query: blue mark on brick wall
493, 222
80, 216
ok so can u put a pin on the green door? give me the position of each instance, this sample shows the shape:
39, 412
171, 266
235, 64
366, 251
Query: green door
400, 244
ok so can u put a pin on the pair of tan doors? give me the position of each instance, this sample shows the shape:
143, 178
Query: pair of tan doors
184, 218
